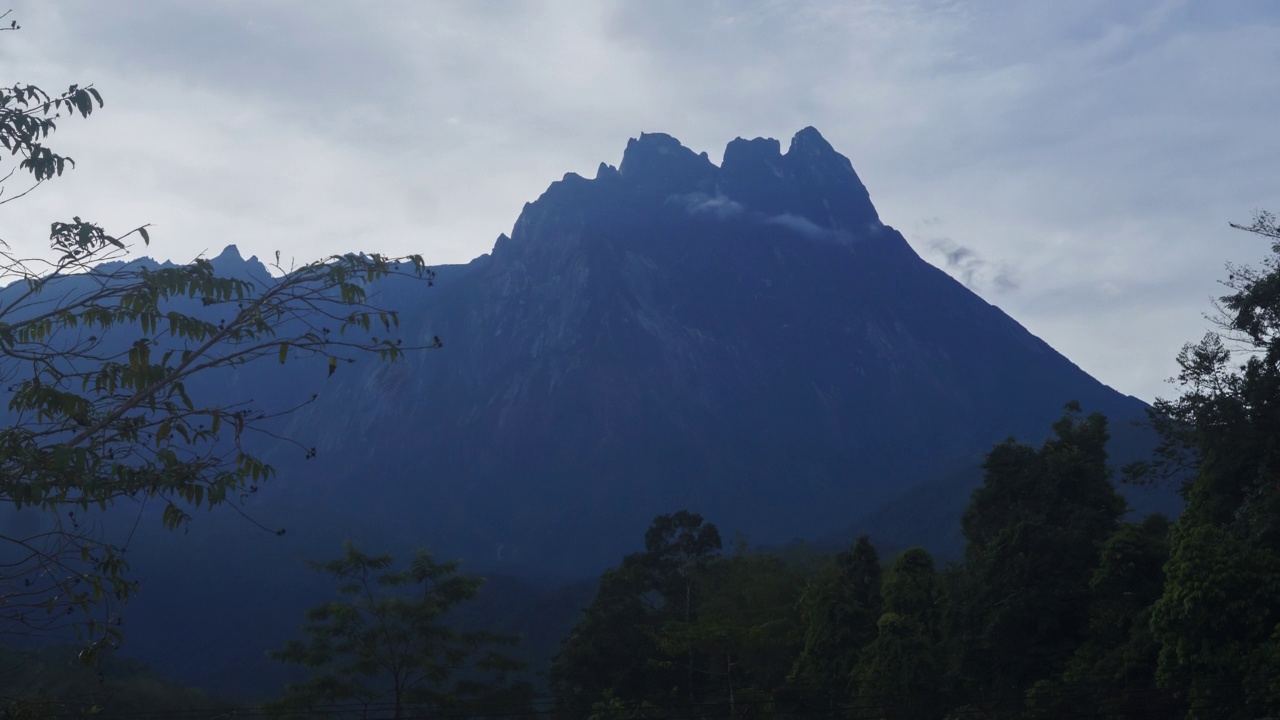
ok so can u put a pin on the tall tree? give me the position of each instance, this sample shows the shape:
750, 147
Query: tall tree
677, 548
613, 655
1215, 621
1035, 529
1113, 673
1227, 417
609, 655
839, 610
900, 674
1218, 620
744, 635
384, 646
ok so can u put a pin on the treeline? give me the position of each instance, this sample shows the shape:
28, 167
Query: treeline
1049, 610
1060, 608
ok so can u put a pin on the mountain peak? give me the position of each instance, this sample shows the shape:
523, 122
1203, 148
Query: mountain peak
811, 190
659, 161
810, 142
230, 253
811, 181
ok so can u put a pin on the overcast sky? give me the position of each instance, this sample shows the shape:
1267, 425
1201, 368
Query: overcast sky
1075, 163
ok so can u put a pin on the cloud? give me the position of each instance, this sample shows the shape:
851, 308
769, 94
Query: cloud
722, 208
971, 269
717, 206
805, 227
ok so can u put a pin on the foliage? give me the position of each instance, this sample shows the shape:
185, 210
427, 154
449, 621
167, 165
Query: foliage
900, 673
1035, 529
607, 655
97, 361
1227, 418
1217, 611
613, 655
1120, 651
914, 590
744, 635
676, 547
1217, 619
385, 646
839, 610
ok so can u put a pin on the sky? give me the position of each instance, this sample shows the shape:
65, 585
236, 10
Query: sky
1076, 164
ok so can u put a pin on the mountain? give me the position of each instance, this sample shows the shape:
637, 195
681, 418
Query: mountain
748, 341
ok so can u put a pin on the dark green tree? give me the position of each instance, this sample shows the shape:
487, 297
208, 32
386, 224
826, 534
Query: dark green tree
1035, 530
1224, 424
1117, 662
1215, 621
609, 655
745, 632
1113, 673
839, 611
900, 674
676, 548
613, 654
1218, 619
914, 590
386, 647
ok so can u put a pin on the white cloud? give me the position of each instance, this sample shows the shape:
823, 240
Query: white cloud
718, 206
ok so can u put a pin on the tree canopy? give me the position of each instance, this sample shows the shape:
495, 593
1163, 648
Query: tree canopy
384, 646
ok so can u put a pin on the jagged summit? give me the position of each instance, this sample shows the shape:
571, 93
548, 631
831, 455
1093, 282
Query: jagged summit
811, 189
659, 162
811, 181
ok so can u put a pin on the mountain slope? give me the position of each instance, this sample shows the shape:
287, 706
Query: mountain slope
748, 341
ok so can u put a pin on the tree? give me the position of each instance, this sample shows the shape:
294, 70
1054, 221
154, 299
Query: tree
1218, 620
97, 361
609, 654
677, 548
1034, 530
1114, 671
619, 652
899, 674
745, 634
1223, 425
839, 610
384, 646
1215, 618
